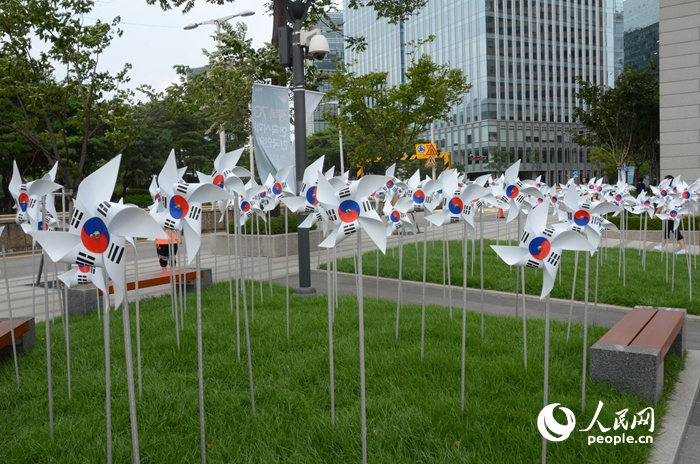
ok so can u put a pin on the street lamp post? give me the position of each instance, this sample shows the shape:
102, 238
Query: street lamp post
218, 22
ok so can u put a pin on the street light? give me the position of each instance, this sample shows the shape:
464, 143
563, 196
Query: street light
218, 22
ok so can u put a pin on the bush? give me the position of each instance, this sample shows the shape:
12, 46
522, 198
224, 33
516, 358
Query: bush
652, 224
276, 225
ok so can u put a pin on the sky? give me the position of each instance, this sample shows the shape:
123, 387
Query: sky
154, 40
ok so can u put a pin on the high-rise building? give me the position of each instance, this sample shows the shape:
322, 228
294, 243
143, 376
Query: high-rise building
522, 59
641, 33
336, 45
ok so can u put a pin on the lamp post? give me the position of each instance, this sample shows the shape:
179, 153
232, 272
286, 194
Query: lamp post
218, 22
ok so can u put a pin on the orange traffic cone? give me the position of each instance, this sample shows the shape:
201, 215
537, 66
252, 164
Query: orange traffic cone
500, 213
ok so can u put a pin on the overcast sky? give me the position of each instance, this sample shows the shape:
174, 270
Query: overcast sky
154, 40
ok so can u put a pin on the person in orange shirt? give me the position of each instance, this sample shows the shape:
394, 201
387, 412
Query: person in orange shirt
163, 250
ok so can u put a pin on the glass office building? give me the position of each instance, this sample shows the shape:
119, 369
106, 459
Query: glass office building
336, 46
641, 33
521, 57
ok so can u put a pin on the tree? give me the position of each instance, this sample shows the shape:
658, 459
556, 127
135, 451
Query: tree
69, 118
622, 122
385, 122
500, 160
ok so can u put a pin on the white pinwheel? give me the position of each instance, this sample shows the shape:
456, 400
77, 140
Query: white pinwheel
98, 227
84, 274
582, 214
351, 210
541, 247
513, 192
305, 201
27, 195
460, 201
398, 215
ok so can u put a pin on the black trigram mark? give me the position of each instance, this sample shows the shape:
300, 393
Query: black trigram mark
23, 188
519, 199
468, 209
224, 173
115, 253
331, 215
454, 219
569, 216
103, 208
82, 279
182, 188
596, 221
531, 263
32, 203
519, 183
195, 212
77, 218
586, 205
548, 232
553, 259
576, 228
524, 237
85, 259
344, 193
478, 204
349, 229
366, 206
309, 209
303, 187
170, 224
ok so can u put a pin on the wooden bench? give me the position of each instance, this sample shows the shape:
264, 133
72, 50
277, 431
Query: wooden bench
83, 298
25, 337
631, 354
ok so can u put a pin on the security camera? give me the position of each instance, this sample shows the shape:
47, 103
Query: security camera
315, 43
318, 47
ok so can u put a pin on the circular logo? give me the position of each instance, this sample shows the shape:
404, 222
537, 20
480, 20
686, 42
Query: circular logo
311, 196
664, 192
647, 203
178, 207
539, 247
84, 268
245, 206
395, 216
23, 201
94, 235
219, 180
540, 201
157, 197
512, 191
456, 205
348, 211
419, 197
582, 218
421, 148
685, 195
550, 428
618, 197
277, 188
673, 213
554, 199
390, 184
42, 226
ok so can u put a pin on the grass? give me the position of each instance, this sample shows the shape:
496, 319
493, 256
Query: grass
413, 407
648, 288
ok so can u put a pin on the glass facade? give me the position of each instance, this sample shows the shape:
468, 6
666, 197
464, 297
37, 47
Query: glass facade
336, 44
521, 57
641, 33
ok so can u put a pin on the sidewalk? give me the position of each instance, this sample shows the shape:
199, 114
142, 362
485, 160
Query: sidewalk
685, 422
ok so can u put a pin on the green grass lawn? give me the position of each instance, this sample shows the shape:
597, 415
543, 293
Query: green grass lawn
413, 407
642, 287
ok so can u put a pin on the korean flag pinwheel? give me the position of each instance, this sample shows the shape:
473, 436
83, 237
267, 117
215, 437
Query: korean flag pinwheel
458, 202
250, 202
644, 205
584, 215
306, 202
541, 247
397, 215
183, 205
83, 274
422, 193
674, 211
98, 227
514, 191
350, 209
27, 195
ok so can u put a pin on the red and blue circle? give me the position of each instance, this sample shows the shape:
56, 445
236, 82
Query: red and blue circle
618, 197
395, 216
673, 213
419, 197
157, 197
23, 201
245, 206
456, 205
311, 196
512, 191
178, 207
554, 199
94, 235
664, 192
277, 188
647, 203
84, 268
582, 218
539, 247
42, 226
348, 211
219, 180
390, 184
685, 195
540, 201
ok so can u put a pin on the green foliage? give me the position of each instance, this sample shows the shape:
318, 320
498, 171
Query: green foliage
276, 225
500, 160
622, 122
413, 406
633, 221
385, 122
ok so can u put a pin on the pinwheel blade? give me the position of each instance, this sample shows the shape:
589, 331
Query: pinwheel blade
326, 194
43, 187
368, 185
131, 221
438, 219
56, 244
192, 239
511, 255
375, 230
570, 240
227, 160
207, 193
168, 177
98, 186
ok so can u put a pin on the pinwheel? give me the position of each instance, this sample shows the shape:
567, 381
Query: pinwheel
27, 196
514, 191
305, 202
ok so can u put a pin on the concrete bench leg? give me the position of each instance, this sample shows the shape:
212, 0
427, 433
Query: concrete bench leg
629, 369
24, 342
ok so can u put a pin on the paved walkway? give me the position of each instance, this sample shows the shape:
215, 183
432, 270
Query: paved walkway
280, 269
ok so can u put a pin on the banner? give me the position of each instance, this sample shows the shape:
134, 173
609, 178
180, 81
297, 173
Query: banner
271, 129
312, 100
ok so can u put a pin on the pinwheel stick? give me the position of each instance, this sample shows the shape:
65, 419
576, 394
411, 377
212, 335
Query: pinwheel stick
66, 333
522, 280
130, 379
330, 334
138, 322
9, 308
465, 256
200, 359
481, 265
585, 333
422, 314
573, 292
173, 292
286, 264
398, 296
108, 374
247, 329
644, 246
268, 225
545, 390
449, 272
361, 332
48, 346
33, 284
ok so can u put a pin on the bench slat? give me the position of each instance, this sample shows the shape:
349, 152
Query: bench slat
21, 327
661, 331
625, 331
160, 278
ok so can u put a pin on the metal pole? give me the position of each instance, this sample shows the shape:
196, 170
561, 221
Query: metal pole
340, 142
